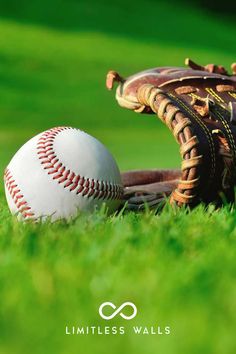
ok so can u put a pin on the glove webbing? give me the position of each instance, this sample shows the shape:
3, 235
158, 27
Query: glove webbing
180, 125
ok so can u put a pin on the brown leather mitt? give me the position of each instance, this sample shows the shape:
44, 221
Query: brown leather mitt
198, 105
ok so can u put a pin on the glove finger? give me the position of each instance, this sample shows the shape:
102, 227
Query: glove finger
141, 207
142, 199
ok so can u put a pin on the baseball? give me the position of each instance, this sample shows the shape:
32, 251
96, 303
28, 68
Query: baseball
60, 172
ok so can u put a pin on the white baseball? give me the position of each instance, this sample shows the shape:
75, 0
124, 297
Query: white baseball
59, 172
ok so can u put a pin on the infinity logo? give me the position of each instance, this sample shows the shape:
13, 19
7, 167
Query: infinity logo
118, 310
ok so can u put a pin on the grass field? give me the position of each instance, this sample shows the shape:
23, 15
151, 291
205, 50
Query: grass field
178, 269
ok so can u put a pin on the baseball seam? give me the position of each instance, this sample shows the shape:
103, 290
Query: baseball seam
85, 186
88, 187
18, 198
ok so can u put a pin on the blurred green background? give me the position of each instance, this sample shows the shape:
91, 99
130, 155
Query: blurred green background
54, 56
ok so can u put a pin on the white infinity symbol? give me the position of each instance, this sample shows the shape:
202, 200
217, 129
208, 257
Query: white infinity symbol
119, 309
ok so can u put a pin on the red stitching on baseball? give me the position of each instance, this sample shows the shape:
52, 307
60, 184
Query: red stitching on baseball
79, 184
23, 208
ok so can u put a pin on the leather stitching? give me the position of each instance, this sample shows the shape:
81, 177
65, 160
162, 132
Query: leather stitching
91, 188
208, 135
17, 196
85, 186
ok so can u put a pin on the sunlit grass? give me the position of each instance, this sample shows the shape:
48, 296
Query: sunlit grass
177, 267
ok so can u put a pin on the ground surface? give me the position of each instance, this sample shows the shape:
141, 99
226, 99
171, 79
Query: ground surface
178, 269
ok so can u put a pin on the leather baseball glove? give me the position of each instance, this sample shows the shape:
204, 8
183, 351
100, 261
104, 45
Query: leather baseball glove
198, 105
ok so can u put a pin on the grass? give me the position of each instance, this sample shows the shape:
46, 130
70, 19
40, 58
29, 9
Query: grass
178, 268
